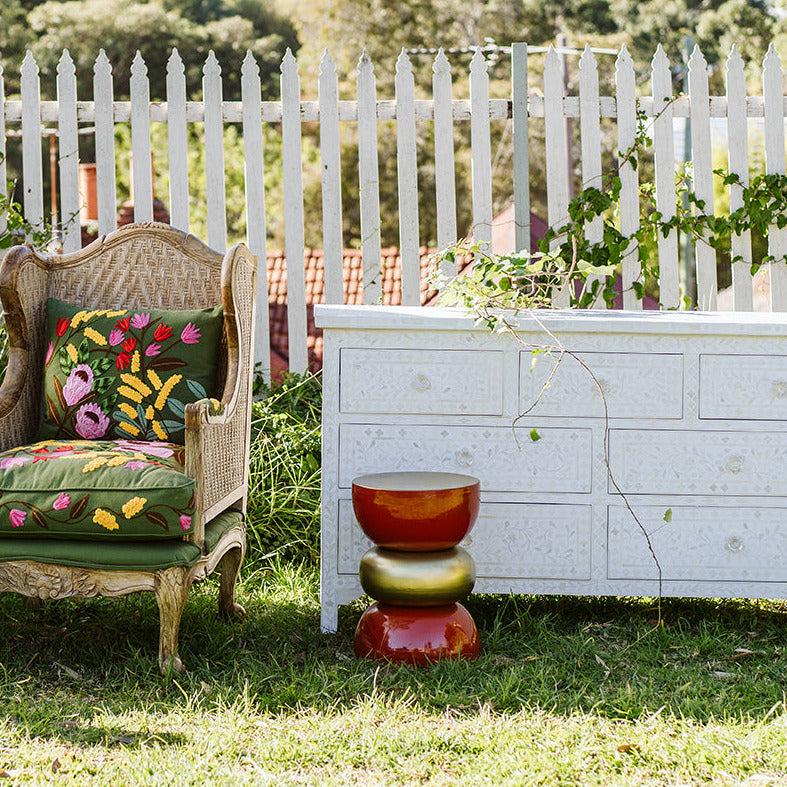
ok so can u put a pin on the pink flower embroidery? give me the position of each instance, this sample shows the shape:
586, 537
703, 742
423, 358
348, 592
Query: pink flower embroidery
146, 447
17, 517
116, 337
134, 464
140, 320
190, 334
64, 501
79, 384
185, 521
13, 461
91, 422
49, 350
152, 349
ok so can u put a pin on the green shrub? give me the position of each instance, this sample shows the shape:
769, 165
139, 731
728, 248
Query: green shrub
284, 483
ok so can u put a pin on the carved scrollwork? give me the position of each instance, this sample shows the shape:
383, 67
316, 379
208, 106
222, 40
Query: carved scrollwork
47, 581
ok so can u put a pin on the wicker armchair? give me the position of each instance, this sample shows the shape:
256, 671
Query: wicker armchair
139, 267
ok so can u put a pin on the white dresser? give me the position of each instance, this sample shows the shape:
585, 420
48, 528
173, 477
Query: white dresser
697, 426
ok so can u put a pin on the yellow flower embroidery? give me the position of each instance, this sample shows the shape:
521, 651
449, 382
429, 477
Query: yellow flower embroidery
130, 428
133, 506
164, 393
105, 519
135, 362
116, 313
94, 464
130, 393
154, 379
135, 382
127, 409
157, 428
77, 318
72, 352
93, 334
149, 413
117, 460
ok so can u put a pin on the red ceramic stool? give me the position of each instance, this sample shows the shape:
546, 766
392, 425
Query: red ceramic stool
416, 572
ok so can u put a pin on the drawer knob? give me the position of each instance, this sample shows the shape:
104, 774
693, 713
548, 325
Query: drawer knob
734, 465
464, 459
780, 389
734, 544
420, 383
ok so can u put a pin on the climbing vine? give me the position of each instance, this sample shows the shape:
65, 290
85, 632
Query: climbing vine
525, 280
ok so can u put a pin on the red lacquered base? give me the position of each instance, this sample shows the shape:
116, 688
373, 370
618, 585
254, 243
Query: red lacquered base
419, 636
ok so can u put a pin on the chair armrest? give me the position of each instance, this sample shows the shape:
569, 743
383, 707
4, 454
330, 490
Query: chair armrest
218, 432
23, 291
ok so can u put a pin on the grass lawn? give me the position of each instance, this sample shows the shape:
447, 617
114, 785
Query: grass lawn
567, 691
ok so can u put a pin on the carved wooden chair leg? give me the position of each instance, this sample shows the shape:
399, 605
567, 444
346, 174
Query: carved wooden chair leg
172, 589
230, 569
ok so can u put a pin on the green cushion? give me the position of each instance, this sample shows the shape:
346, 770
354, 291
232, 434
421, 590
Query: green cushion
86, 489
126, 374
129, 555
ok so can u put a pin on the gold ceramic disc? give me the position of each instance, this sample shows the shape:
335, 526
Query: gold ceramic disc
417, 579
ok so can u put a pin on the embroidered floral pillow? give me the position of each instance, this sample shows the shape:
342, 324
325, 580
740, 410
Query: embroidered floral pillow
117, 373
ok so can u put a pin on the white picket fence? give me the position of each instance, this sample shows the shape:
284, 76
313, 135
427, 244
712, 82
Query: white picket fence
444, 110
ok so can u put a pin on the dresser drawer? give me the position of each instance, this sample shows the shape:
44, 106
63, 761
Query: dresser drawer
743, 386
503, 459
701, 544
509, 540
634, 384
427, 382
654, 461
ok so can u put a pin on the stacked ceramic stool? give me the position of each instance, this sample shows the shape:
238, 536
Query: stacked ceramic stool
416, 572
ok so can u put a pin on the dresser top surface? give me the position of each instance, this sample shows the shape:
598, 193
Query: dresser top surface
564, 320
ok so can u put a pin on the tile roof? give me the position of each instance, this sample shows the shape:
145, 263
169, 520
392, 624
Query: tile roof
314, 268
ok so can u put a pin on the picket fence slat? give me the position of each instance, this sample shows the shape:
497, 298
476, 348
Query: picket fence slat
254, 175
177, 136
590, 137
664, 161
705, 255
407, 177
214, 154
32, 169
629, 184
555, 145
330, 153
68, 160
481, 149
106, 200
521, 136
738, 162
293, 213
772, 79
445, 173
368, 176
141, 171
3, 170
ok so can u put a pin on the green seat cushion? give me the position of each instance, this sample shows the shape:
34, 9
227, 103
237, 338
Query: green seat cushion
120, 556
118, 373
89, 489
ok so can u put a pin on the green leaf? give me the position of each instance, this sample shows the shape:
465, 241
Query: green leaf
534, 435
668, 515
197, 389
177, 408
66, 364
